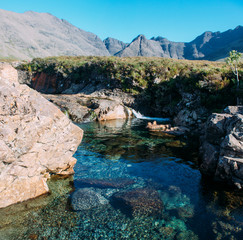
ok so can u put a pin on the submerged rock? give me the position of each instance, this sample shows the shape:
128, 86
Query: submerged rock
222, 146
105, 183
140, 201
167, 128
85, 198
36, 140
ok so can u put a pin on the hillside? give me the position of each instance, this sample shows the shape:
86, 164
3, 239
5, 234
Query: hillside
31, 34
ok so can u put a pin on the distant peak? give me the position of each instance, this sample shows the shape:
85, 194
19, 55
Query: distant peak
159, 38
140, 37
238, 27
110, 39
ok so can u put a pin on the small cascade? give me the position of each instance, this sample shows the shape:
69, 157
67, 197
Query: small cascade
140, 116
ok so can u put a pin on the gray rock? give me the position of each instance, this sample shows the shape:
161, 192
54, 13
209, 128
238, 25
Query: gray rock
222, 146
81, 108
210, 155
36, 140
85, 198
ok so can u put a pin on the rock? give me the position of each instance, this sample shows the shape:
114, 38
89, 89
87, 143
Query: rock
216, 127
105, 183
234, 110
140, 201
222, 146
36, 140
85, 198
110, 110
210, 155
167, 128
81, 107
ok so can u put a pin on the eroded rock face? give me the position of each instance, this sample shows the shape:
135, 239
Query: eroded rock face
222, 146
36, 140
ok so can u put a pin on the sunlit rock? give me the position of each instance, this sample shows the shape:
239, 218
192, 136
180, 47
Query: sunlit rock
36, 140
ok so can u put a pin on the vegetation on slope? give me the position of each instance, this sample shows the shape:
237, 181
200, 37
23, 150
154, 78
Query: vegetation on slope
160, 81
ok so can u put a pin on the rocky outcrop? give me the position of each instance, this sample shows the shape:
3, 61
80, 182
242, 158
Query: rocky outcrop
189, 111
222, 146
81, 108
36, 140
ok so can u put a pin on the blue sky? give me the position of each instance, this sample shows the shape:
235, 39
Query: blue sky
177, 20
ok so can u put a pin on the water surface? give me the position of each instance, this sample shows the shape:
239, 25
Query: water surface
117, 151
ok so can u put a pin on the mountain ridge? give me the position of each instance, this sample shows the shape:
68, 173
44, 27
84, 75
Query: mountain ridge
207, 46
31, 34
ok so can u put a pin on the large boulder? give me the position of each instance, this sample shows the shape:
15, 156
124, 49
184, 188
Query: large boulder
81, 107
222, 146
36, 140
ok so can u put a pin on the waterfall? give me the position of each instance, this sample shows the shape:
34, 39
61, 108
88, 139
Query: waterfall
140, 116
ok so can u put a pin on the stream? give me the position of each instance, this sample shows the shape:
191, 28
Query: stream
119, 162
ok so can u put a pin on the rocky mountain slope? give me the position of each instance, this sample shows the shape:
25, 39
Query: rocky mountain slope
208, 46
114, 46
31, 34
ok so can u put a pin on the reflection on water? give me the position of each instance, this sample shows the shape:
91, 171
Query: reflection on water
142, 185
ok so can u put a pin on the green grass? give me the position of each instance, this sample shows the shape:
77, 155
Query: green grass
160, 80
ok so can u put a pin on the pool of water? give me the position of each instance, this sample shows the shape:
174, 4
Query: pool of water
117, 162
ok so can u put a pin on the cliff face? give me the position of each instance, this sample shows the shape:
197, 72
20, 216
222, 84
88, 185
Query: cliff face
222, 146
36, 140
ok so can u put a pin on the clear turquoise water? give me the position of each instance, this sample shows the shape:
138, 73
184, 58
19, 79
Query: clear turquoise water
193, 207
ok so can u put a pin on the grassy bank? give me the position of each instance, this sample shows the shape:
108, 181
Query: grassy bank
161, 81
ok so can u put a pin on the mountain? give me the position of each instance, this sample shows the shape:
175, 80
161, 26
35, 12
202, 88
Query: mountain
213, 46
113, 45
31, 34
141, 46
208, 46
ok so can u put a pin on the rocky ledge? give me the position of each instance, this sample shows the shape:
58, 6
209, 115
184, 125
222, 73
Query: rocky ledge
82, 108
36, 140
222, 146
